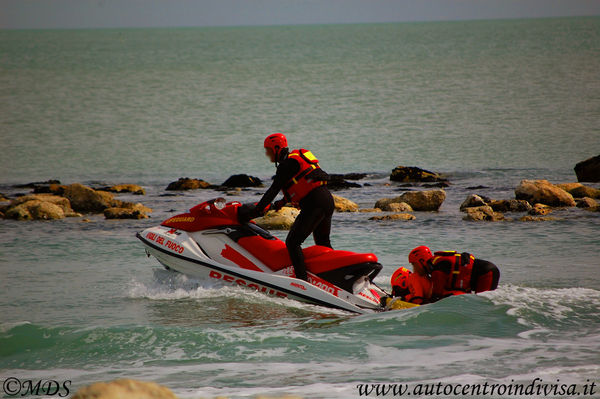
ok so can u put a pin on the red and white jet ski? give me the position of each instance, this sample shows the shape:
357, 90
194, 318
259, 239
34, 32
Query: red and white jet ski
208, 242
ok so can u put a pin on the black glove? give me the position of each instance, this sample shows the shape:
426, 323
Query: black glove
277, 205
247, 212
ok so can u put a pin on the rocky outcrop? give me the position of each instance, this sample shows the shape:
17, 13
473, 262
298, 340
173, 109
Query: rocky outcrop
278, 220
185, 183
483, 213
544, 192
127, 210
588, 170
39, 207
395, 216
430, 200
344, 205
125, 188
340, 182
512, 205
397, 207
412, 174
540, 210
578, 190
242, 180
124, 389
586, 202
87, 200
473, 201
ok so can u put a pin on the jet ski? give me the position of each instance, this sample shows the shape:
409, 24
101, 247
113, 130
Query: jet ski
208, 243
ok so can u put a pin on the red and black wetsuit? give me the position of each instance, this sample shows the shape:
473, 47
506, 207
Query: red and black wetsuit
315, 203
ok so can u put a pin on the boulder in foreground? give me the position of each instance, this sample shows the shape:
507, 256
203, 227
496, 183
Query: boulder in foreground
278, 220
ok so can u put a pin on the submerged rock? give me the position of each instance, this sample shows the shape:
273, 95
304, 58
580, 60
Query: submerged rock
124, 389
125, 188
483, 213
185, 183
588, 170
512, 205
338, 182
540, 210
242, 180
395, 216
278, 220
544, 192
344, 205
412, 174
530, 218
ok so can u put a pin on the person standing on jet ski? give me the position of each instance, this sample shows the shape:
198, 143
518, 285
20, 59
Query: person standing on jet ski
445, 273
304, 184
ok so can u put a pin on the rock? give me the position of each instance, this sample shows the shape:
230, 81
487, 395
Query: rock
3, 198
483, 213
411, 174
185, 183
39, 207
35, 184
540, 210
124, 389
511, 205
472, 201
529, 218
424, 200
56, 189
588, 170
544, 192
418, 200
86, 199
395, 216
586, 202
344, 205
338, 182
125, 188
124, 213
578, 190
242, 180
35, 210
370, 210
398, 207
278, 220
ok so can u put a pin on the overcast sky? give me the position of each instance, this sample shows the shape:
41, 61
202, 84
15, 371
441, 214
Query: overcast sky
25, 14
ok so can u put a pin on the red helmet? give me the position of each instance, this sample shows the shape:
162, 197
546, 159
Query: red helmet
275, 142
399, 282
400, 278
420, 255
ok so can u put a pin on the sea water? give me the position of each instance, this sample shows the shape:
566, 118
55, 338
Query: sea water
487, 103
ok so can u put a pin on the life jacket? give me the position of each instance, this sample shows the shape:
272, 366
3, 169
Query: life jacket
411, 287
301, 184
455, 278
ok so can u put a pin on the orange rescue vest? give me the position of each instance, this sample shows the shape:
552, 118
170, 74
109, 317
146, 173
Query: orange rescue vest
302, 184
461, 268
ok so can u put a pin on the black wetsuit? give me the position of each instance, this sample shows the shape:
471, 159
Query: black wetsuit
316, 209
